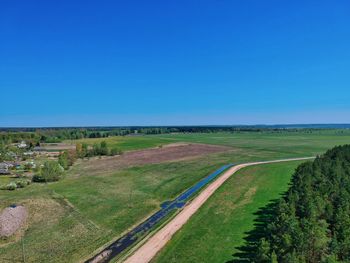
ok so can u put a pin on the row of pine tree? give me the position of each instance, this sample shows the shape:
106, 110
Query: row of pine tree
312, 221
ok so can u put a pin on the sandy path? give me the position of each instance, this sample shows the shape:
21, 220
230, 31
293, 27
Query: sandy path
155, 243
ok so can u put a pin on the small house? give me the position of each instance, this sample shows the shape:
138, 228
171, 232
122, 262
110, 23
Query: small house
4, 165
4, 168
38, 149
22, 145
4, 171
29, 153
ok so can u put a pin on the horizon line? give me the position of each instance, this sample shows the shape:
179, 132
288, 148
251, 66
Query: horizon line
185, 125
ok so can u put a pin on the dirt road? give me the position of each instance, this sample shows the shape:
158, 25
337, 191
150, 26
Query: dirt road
155, 243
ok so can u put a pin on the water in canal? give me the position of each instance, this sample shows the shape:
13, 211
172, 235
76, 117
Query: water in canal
135, 234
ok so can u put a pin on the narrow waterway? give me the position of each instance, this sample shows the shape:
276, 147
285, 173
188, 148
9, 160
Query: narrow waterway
139, 231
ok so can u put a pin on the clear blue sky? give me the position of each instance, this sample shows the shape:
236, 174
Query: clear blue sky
174, 62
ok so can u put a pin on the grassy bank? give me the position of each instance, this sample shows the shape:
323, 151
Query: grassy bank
212, 234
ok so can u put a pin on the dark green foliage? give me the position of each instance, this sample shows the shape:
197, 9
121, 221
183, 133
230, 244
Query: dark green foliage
67, 158
115, 151
63, 160
51, 172
98, 149
85, 150
263, 253
11, 186
34, 136
27, 166
311, 223
103, 148
22, 183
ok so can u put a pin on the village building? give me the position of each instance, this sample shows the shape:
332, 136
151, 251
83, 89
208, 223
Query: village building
4, 168
38, 149
22, 145
29, 153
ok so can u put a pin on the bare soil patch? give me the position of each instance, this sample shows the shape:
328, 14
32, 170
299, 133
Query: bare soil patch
174, 152
57, 146
11, 219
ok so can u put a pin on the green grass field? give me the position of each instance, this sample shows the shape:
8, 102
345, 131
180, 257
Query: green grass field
103, 208
292, 143
214, 232
126, 143
72, 218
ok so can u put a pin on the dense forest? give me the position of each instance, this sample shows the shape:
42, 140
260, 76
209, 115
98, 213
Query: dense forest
311, 223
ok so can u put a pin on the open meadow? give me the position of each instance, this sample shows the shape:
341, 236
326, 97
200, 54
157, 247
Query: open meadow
70, 219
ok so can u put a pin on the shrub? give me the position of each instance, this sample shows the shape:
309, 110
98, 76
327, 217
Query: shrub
38, 178
21, 184
28, 166
103, 148
115, 151
67, 158
51, 172
63, 160
11, 186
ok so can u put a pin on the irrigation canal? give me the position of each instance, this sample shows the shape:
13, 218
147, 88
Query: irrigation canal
139, 231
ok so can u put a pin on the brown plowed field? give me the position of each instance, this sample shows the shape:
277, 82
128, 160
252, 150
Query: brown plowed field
174, 152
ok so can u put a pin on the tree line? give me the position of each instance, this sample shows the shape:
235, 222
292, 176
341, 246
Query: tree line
54, 135
311, 222
54, 170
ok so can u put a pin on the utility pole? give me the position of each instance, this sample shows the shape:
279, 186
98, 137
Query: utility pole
130, 198
23, 251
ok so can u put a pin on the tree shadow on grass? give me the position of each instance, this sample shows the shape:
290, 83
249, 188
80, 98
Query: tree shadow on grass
247, 252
